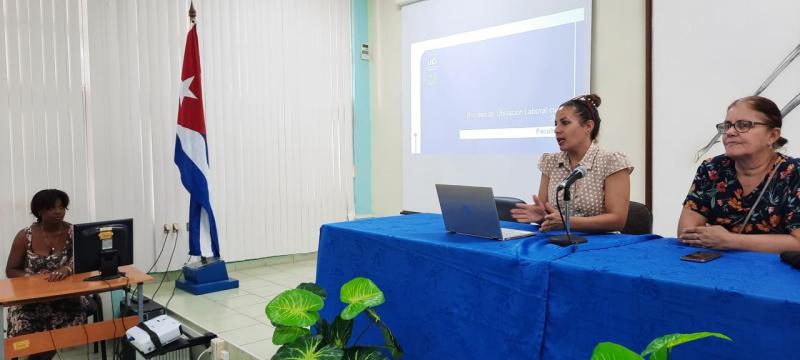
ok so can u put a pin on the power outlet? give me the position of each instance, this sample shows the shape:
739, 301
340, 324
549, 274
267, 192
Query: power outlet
166, 228
175, 227
217, 346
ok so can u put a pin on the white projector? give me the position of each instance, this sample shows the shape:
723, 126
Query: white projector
163, 327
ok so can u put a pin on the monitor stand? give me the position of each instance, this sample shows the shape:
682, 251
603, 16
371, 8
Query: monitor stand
109, 264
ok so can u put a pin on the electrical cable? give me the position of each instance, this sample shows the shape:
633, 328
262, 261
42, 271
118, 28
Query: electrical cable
163, 245
206, 351
158, 257
166, 273
87, 340
166, 307
114, 322
54, 343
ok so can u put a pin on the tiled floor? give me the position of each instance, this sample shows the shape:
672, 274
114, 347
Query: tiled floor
235, 315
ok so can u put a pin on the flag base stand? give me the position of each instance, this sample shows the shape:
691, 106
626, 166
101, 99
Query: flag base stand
206, 277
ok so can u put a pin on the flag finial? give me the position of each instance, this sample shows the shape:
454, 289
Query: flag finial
192, 13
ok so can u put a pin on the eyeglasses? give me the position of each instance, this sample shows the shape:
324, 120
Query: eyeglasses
741, 126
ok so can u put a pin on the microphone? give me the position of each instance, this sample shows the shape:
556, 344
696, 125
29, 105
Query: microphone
576, 174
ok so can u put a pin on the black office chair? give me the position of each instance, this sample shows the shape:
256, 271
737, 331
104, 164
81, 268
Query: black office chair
504, 205
640, 220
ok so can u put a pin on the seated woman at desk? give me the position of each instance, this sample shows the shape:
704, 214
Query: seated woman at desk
600, 199
749, 197
45, 247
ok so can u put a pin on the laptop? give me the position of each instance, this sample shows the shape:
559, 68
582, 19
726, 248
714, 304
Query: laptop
470, 210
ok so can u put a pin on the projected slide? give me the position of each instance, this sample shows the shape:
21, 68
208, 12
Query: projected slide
495, 90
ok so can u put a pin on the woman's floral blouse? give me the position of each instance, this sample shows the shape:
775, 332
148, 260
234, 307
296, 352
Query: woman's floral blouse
717, 195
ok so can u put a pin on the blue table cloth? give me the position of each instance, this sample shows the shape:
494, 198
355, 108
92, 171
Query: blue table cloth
632, 294
448, 296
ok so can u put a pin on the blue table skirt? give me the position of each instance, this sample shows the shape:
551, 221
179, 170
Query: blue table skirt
449, 296
632, 294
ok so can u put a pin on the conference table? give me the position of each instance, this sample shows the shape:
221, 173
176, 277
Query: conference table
460, 297
36, 288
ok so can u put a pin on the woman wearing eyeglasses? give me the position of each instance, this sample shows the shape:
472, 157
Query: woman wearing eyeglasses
600, 198
749, 197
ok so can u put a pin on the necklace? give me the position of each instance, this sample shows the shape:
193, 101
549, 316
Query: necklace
753, 208
757, 179
47, 241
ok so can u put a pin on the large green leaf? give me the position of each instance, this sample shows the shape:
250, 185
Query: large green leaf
359, 293
314, 288
661, 354
388, 337
352, 310
308, 348
612, 351
663, 344
288, 334
295, 307
364, 353
340, 332
323, 328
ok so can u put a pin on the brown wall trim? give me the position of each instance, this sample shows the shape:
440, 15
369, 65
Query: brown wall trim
648, 104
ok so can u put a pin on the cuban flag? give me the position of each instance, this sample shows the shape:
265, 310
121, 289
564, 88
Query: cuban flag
191, 154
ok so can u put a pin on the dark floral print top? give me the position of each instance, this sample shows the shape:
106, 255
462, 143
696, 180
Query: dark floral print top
48, 315
717, 194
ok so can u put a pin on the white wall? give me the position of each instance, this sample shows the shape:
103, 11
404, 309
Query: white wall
278, 103
705, 55
618, 67
386, 101
618, 28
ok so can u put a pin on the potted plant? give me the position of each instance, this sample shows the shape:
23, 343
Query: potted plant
294, 312
658, 349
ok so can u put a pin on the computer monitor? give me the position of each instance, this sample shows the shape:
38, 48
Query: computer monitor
104, 246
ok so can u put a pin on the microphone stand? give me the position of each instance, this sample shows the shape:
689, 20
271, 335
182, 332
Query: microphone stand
567, 239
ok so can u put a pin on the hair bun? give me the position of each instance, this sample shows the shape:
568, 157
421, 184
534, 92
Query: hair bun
595, 99
781, 142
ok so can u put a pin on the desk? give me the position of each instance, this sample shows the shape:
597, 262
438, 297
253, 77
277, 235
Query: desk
448, 296
647, 291
23, 290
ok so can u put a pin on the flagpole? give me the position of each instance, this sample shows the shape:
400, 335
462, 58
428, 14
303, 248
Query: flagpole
193, 21
210, 273
192, 12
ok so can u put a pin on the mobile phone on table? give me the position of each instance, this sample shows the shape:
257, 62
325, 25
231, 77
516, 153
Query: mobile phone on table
701, 256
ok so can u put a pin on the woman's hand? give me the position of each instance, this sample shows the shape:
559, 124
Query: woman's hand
59, 274
529, 213
552, 221
715, 237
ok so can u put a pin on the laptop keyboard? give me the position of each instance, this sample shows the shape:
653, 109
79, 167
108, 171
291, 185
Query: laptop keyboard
514, 233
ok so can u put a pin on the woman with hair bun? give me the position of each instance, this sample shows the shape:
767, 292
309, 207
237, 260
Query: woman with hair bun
600, 199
